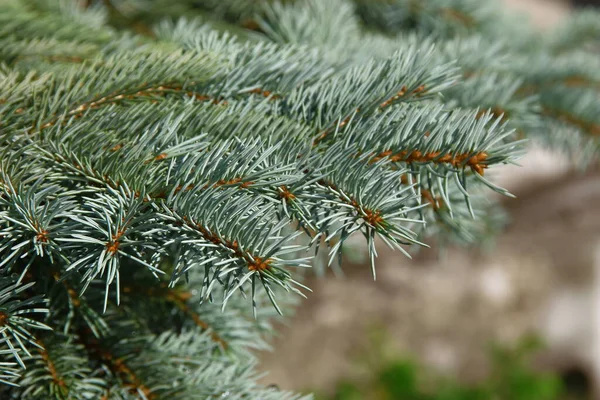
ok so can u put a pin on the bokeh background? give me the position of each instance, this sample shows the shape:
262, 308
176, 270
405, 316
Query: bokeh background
523, 311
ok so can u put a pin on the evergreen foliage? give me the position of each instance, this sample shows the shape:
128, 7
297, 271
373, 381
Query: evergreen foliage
166, 170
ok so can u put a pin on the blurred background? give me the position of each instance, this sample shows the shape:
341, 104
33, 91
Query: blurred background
517, 320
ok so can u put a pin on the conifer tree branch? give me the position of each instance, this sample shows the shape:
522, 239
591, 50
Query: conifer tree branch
54, 374
117, 365
180, 299
218, 160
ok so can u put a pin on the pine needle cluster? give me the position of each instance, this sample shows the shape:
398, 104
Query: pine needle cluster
167, 169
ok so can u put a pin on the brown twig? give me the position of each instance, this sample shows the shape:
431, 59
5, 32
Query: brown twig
255, 263
56, 378
144, 92
476, 161
371, 216
179, 299
116, 364
591, 128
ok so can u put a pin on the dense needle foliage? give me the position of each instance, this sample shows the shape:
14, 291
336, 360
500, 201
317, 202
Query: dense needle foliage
168, 168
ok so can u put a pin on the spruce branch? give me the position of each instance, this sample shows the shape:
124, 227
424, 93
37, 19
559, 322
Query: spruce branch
16, 320
59, 371
194, 169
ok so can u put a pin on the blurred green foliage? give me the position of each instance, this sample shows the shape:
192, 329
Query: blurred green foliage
511, 377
